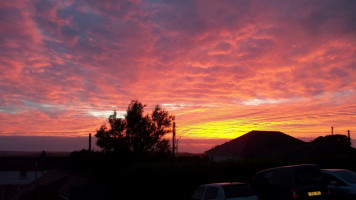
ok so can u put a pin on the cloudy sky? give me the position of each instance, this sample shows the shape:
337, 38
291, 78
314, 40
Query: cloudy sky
223, 68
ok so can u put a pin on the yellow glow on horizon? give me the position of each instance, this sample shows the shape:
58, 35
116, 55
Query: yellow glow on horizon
233, 128
220, 129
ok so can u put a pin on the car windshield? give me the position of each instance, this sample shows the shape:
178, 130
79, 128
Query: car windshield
307, 175
238, 190
349, 176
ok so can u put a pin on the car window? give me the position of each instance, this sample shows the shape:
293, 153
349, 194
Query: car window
198, 193
211, 193
238, 190
330, 178
269, 178
347, 175
307, 175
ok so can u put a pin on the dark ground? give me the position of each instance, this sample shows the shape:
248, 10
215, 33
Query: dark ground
177, 180
165, 179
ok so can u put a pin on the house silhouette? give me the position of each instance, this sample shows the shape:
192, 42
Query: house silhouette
273, 145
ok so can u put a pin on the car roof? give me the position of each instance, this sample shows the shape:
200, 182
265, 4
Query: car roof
225, 183
334, 170
286, 167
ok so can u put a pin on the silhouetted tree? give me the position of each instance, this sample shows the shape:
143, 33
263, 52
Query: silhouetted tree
112, 139
139, 134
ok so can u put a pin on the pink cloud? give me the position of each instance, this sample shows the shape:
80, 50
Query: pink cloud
63, 62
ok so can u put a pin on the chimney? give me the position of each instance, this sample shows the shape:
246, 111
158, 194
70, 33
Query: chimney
89, 142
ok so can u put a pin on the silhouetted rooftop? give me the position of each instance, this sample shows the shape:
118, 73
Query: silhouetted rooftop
266, 144
64, 185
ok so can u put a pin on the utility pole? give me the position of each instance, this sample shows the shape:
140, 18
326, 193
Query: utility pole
332, 130
89, 142
349, 138
173, 141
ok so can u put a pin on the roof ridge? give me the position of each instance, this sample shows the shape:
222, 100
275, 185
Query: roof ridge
249, 143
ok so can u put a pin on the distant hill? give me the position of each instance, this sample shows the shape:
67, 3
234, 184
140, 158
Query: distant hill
32, 154
44, 143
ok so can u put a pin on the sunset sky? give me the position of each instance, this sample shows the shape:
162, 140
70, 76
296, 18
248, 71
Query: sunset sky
223, 68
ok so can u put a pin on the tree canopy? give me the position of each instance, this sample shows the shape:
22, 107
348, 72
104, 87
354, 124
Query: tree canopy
137, 133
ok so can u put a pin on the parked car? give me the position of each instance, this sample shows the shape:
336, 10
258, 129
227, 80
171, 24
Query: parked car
291, 183
342, 183
224, 191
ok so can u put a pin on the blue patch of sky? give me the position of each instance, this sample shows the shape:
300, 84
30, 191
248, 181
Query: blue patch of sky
43, 106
